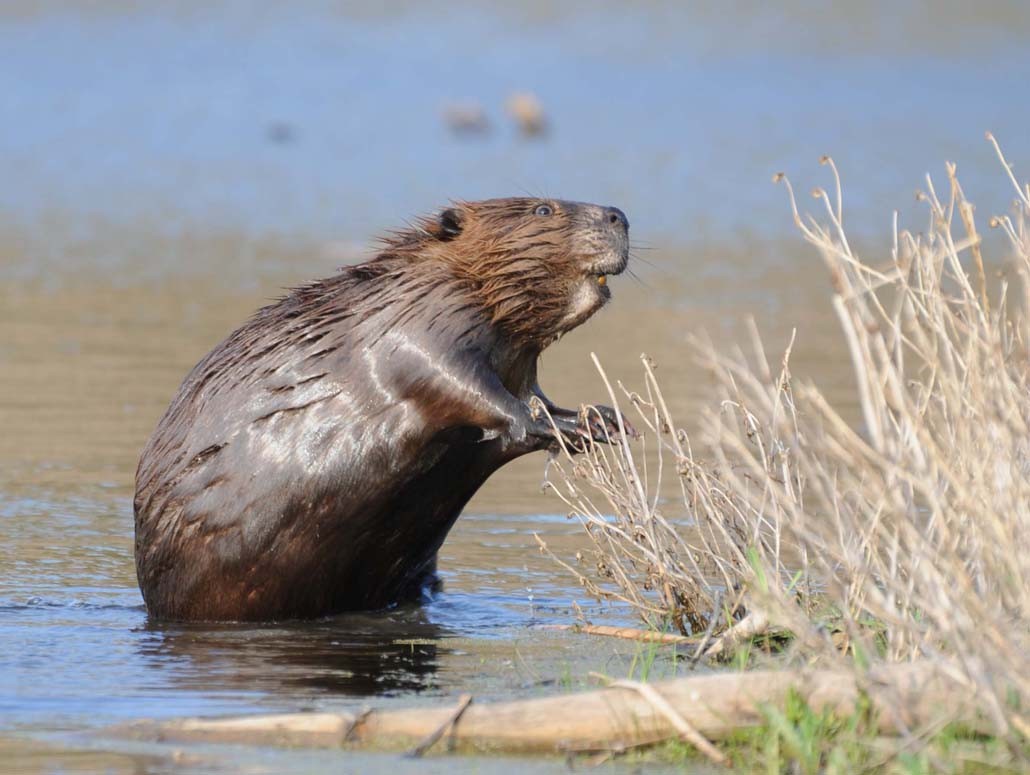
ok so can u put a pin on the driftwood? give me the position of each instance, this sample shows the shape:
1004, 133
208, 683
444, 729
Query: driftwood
754, 624
714, 705
627, 633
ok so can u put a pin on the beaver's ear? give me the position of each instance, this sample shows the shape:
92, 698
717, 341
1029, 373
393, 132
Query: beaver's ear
451, 223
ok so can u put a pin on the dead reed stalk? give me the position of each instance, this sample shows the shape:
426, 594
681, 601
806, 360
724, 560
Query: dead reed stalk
903, 538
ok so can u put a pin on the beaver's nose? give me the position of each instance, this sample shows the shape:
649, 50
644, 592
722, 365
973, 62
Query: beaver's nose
615, 217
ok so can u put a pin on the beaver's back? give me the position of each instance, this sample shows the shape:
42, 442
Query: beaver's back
299, 423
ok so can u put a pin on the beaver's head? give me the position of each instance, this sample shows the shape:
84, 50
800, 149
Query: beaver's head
539, 266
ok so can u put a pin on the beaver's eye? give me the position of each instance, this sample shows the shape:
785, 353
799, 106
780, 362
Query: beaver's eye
543, 210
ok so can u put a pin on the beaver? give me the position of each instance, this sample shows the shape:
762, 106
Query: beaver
315, 460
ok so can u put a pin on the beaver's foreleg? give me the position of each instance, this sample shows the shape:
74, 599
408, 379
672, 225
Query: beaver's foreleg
602, 421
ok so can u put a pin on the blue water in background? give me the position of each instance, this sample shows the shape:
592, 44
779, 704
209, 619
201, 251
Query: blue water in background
680, 117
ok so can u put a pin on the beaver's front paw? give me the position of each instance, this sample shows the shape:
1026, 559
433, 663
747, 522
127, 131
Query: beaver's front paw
603, 423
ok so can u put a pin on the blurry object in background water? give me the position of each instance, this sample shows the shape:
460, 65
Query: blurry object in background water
466, 118
281, 133
527, 111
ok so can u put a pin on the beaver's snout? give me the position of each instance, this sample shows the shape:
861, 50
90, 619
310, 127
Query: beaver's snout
605, 239
616, 218
610, 221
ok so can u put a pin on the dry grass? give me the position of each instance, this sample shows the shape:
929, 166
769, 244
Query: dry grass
904, 538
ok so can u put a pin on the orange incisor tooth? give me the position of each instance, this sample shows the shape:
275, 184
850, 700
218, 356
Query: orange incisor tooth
602, 279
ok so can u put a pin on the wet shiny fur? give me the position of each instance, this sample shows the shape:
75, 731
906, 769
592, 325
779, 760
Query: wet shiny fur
315, 460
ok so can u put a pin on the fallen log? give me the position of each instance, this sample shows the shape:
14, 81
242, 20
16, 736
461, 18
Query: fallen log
626, 633
903, 697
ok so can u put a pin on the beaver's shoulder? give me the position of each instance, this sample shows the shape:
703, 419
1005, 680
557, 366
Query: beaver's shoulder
333, 334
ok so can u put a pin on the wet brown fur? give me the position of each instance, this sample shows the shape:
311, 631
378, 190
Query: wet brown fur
518, 267
314, 461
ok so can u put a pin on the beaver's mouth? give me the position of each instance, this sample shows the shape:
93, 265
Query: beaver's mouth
601, 279
613, 262
599, 274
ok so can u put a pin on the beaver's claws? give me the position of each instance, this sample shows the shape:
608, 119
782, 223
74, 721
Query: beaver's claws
603, 423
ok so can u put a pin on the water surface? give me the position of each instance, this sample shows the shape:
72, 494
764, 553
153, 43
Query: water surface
170, 166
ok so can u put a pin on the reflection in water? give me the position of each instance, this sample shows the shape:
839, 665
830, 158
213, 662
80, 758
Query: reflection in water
362, 655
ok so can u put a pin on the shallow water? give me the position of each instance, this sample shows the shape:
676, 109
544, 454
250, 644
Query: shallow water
170, 167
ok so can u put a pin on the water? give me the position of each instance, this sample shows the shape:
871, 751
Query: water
169, 167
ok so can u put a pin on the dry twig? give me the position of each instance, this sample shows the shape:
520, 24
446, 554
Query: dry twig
900, 539
682, 726
450, 723
627, 633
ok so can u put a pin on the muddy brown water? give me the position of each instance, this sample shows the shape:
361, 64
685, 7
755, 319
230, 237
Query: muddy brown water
168, 167
88, 369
